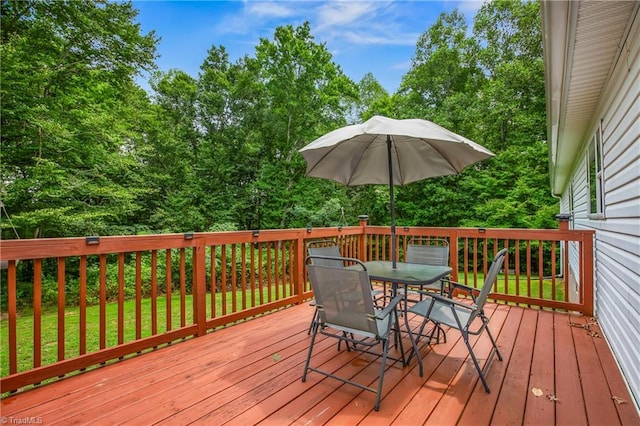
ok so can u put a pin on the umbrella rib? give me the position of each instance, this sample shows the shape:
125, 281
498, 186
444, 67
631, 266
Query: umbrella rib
357, 165
319, 161
442, 154
394, 148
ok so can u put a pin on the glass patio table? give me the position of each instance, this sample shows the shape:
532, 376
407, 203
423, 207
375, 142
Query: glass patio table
406, 275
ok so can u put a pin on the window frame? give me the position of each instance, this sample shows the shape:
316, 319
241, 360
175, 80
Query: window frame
595, 176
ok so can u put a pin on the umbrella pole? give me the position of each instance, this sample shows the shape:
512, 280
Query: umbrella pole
393, 210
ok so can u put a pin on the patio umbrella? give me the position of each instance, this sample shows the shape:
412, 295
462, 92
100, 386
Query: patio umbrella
390, 152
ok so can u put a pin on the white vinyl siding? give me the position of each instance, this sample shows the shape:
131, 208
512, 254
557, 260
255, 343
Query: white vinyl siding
617, 238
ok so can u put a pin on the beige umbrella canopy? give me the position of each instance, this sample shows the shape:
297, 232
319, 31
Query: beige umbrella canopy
390, 152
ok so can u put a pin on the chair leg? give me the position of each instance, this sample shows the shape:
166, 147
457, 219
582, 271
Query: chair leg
306, 364
414, 348
495, 346
440, 330
465, 337
314, 322
398, 338
383, 365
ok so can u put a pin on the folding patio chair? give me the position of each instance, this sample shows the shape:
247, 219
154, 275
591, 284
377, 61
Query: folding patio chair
428, 251
327, 253
346, 312
325, 248
458, 315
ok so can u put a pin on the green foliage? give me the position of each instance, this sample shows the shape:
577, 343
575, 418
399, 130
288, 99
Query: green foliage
68, 122
493, 93
86, 151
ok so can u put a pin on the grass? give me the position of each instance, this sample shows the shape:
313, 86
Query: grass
49, 326
520, 283
72, 319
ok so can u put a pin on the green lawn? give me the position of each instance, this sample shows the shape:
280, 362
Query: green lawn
72, 318
520, 283
72, 326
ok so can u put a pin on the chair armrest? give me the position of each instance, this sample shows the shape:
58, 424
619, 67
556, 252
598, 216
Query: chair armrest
459, 286
389, 308
446, 300
449, 301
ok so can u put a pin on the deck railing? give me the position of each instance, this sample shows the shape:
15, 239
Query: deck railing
69, 304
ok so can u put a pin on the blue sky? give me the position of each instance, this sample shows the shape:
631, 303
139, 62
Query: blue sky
363, 36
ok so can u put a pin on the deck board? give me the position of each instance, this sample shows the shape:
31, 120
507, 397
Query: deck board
570, 407
250, 374
538, 410
515, 387
477, 409
595, 390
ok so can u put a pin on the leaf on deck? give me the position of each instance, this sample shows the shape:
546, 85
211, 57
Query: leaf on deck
618, 400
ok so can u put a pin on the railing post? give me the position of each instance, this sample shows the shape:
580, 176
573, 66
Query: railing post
453, 254
299, 262
362, 244
563, 219
587, 272
200, 286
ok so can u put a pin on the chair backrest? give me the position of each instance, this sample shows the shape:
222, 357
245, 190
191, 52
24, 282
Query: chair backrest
343, 296
489, 279
325, 248
428, 251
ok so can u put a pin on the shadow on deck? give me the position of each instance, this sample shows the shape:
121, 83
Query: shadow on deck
250, 374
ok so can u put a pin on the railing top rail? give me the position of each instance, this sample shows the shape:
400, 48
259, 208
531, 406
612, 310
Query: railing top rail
501, 233
78, 246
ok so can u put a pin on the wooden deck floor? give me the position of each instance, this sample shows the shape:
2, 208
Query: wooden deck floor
250, 374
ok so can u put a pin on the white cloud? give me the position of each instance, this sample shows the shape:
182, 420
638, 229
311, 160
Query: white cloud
254, 16
268, 10
332, 14
379, 38
402, 66
363, 23
470, 8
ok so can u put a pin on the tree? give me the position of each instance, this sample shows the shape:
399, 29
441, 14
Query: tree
511, 104
174, 155
68, 165
230, 105
373, 100
442, 67
305, 94
490, 89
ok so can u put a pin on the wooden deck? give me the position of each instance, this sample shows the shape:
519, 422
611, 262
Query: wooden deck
250, 374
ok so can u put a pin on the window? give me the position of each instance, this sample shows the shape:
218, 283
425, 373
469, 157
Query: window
595, 177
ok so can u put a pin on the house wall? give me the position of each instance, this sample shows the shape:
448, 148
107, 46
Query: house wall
617, 237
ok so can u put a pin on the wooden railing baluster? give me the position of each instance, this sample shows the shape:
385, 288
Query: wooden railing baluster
139, 295
168, 285
252, 265
243, 274
61, 306
103, 301
37, 310
234, 283
12, 302
154, 292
